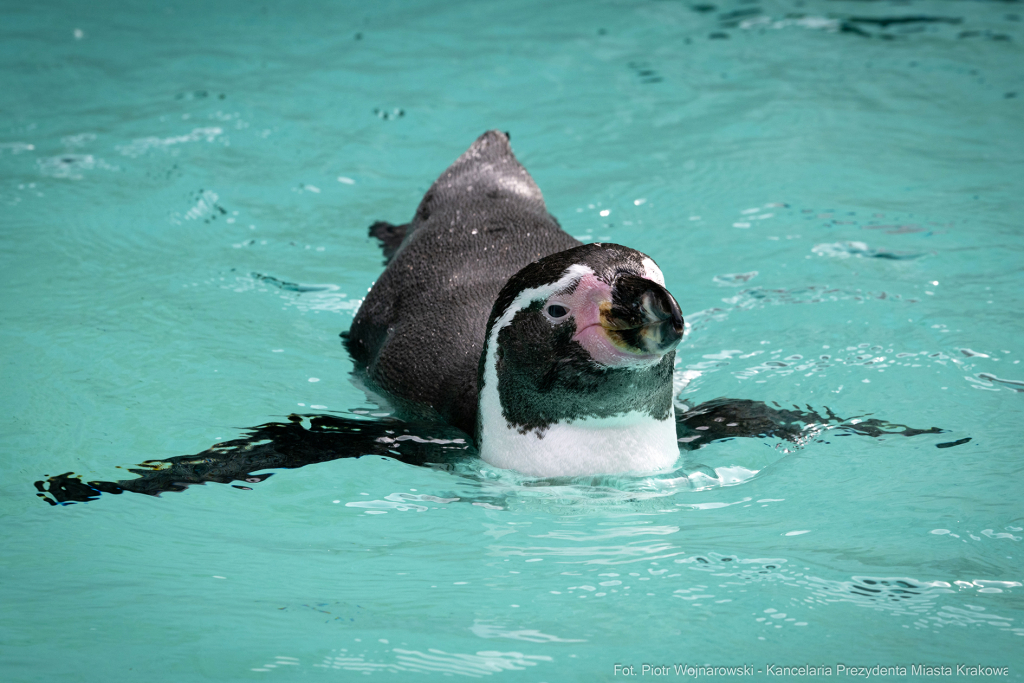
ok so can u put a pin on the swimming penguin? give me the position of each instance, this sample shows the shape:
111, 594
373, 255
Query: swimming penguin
557, 356
492, 332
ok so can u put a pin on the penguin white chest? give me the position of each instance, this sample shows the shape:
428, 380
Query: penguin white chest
634, 442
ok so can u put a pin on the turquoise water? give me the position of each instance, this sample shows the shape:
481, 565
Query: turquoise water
835, 205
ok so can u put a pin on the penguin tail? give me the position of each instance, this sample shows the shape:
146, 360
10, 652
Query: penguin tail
390, 237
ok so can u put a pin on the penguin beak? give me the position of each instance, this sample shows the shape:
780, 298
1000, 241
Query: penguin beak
642, 317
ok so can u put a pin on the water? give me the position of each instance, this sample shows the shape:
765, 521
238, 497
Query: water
837, 214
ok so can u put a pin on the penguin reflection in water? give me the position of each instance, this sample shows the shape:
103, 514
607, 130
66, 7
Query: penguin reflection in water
493, 333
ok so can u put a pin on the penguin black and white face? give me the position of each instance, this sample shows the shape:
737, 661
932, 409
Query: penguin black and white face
581, 345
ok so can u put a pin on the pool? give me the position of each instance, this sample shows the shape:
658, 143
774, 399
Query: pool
831, 188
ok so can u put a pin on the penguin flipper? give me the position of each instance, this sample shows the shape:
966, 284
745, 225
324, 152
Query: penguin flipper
275, 445
390, 237
724, 418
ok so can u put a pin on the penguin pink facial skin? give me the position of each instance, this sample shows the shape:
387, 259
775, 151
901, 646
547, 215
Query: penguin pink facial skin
606, 335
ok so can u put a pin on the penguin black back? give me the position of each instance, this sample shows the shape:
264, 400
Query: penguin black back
420, 332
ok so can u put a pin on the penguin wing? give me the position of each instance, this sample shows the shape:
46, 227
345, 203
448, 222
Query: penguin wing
303, 440
725, 418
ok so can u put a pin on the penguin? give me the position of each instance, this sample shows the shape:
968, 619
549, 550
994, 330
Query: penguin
495, 334
556, 356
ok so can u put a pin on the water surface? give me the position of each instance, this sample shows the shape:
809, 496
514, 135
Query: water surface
831, 188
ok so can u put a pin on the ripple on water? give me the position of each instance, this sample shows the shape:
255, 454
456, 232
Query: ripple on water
307, 298
71, 166
490, 629
140, 146
844, 250
764, 364
396, 660
633, 570
754, 298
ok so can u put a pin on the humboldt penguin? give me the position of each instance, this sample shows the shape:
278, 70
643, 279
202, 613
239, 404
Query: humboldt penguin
556, 356
491, 324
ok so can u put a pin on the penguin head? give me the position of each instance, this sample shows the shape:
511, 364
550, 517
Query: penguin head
583, 336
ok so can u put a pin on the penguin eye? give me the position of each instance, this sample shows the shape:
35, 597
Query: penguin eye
556, 311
